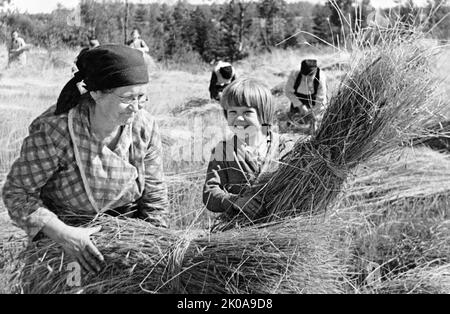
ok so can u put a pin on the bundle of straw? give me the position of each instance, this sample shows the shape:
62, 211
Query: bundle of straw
436, 136
387, 95
288, 257
396, 207
411, 179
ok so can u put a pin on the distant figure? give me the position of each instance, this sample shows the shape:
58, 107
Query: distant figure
306, 89
137, 43
93, 42
17, 49
222, 76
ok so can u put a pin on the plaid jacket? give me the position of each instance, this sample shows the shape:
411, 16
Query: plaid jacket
231, 170
63, 168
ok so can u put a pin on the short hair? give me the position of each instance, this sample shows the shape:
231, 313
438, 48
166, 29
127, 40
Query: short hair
252, 93
226, 72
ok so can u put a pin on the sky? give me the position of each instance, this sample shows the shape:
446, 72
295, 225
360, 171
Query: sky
46, 6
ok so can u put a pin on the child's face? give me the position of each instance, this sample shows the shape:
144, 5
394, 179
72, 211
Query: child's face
243, 121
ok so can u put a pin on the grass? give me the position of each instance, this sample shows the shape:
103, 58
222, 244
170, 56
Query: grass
272, 259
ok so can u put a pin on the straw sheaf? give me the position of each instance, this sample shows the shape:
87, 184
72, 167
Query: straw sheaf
397, 210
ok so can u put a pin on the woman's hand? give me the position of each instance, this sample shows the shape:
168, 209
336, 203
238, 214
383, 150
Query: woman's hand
76, 242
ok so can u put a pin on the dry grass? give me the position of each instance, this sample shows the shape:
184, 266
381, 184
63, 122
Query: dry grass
386, 97
421, 280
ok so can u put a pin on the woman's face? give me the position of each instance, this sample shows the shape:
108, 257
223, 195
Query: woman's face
120, 105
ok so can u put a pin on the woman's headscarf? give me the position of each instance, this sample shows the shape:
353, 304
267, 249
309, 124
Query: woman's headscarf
102, 68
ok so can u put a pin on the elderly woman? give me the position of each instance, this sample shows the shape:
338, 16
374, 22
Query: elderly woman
98, 152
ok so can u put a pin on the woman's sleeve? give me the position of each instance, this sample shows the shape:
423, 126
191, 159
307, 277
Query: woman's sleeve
154, 201
215, 197
38, 161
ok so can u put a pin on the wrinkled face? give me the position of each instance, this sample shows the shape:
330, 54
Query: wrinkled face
243, 122
120, 105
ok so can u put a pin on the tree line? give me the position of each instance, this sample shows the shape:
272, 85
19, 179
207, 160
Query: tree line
229, 30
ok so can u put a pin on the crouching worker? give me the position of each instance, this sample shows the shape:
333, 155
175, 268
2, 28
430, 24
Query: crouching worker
222, 76
95, 152
247, 158
306, 89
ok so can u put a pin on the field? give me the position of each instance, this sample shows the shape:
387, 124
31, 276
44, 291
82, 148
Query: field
179, 101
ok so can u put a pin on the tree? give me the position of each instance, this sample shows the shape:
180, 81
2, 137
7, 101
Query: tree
199, 30
409, 13
272, 13
235, 25
321, 23
340, 19
5, 11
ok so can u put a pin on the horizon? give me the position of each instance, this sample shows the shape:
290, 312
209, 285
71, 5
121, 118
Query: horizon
34, 7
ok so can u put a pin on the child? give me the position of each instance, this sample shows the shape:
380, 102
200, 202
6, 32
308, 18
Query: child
247, 157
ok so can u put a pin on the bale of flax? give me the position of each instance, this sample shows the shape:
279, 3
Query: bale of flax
385, 97
294, 256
